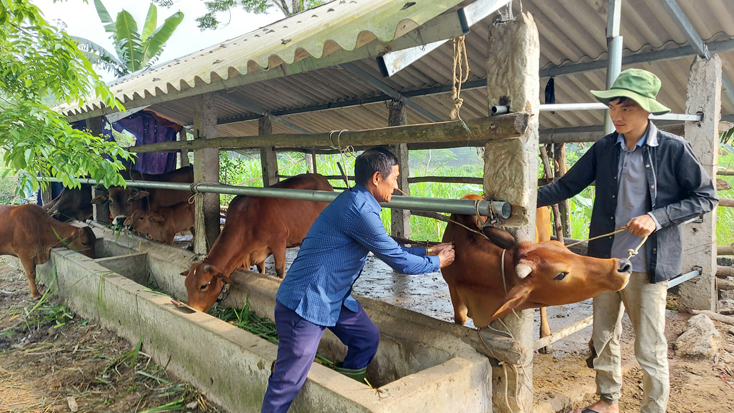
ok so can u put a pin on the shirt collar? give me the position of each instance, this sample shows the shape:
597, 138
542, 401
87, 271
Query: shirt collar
371, 201
649, 138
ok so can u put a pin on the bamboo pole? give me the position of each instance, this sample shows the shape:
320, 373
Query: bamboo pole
724, 202
498, 127
561, 167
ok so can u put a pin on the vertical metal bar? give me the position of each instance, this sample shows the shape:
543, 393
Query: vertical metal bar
615, 45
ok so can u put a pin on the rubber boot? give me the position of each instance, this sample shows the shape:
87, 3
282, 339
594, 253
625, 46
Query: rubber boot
356, 374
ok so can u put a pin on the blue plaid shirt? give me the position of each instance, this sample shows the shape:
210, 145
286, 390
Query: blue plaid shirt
332, 256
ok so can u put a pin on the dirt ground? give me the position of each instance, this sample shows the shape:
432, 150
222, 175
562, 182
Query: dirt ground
54, 361
695, 385
43, 366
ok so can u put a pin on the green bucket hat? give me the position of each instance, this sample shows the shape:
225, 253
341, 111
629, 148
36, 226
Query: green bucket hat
638, 85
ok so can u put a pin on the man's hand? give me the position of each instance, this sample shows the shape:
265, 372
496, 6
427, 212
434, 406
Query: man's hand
446, 255
641, 226
434, 250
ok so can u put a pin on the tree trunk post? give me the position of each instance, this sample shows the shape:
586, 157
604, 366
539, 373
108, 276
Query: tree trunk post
699, 240
100, 212
268, 158
561, 167
400, 222
511, 173
184, 155
206, 169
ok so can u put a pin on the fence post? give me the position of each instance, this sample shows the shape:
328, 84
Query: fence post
699, 240
268, 158
100, 212
206, 169
510, 173
400, 223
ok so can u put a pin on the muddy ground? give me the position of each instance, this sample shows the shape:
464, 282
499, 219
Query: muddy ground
42, 366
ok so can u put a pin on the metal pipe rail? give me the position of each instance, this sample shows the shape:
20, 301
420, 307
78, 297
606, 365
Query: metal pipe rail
580, 325
559, 107
450, 206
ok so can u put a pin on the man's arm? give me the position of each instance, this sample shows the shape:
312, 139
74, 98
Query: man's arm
581, 175
693, 180
369, 232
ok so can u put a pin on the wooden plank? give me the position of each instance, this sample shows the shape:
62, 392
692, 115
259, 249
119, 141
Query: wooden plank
497, 127
206, 170
268, 158
400, 218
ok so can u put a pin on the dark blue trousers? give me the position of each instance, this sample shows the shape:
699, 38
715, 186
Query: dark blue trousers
298, 342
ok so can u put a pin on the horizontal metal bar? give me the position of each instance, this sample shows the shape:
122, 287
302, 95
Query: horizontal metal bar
558, 107
450, 206
683, 278
580, 325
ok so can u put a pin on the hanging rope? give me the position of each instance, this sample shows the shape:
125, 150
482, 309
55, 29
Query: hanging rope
346, 151
631, 252
460, 74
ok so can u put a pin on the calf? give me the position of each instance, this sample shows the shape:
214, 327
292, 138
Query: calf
27, 232
72, 203
255, 228
125, 201
163, 224
535, 275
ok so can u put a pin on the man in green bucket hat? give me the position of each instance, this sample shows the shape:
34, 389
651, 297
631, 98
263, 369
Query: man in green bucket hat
649, 182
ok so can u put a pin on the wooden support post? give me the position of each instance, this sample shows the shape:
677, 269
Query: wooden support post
100, 212
206, 169
511, 173
400, 223
268, 158
561, 167
184, 155
699, 240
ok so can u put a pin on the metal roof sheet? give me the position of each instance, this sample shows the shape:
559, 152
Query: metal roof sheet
571, 31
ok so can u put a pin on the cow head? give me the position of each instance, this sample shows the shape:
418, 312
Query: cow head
82, 241
203, 283
548, 273
123, 202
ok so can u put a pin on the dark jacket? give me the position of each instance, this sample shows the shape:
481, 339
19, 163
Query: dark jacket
679, 188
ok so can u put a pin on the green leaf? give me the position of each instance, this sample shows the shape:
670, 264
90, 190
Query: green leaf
104, 16
128, 41
154, 45
150, 22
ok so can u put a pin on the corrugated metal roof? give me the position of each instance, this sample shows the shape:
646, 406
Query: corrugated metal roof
571, 31
339, 24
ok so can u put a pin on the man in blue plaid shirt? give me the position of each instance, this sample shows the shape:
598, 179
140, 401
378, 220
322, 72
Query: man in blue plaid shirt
316, 293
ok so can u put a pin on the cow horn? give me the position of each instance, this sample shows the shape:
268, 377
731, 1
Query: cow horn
522, 270
207, 268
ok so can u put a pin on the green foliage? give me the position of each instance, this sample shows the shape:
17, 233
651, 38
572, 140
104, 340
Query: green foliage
135, 50
40, 64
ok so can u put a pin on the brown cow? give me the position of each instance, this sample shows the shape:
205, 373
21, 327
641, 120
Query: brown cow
71, 203
27, 232
255, 228
163, 224
125, 201
535, 275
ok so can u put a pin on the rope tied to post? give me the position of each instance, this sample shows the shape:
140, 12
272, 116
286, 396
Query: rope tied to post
460, 74
194, 191
344, 152
493, 217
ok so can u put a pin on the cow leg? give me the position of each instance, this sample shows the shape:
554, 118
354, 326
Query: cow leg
261, 268
30, 271
279, 258
460, 310
545, 330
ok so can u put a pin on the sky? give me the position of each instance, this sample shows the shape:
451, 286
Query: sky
81, 20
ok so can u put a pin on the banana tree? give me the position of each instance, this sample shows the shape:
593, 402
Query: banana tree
134, 50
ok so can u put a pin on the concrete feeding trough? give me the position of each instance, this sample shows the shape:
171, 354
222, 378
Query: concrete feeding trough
421, 364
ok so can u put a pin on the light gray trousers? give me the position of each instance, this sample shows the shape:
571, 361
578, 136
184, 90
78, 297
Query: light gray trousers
645, 305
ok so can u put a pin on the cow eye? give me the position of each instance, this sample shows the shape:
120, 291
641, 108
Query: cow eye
561, 276
204, 287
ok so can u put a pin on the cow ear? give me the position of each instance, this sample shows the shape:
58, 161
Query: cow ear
224, 278
517, 296
156, 218
185, 273
139, 195
128, 221
99, 199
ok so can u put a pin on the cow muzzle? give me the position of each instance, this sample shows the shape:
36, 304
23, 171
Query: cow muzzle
119, 220
624, 266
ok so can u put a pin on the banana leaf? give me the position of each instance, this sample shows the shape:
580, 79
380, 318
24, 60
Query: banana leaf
127, 41
104, 16
151, 20
154, 43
